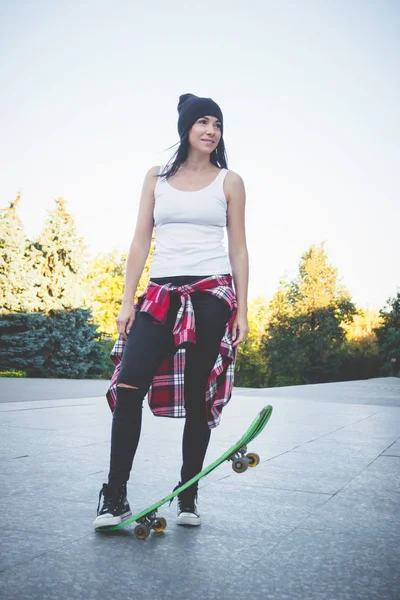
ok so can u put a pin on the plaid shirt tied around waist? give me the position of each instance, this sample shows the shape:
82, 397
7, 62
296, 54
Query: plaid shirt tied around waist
166, 393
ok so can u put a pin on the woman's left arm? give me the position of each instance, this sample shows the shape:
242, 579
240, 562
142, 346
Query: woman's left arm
237, 249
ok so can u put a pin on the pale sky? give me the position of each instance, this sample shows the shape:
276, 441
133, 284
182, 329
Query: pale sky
310, 93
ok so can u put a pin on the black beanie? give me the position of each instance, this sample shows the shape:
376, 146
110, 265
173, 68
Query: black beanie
191, 108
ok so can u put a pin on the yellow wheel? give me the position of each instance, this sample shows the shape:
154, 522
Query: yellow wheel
159, 524
253, 459
141, 532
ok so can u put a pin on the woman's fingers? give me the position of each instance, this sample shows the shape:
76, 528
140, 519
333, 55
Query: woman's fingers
125, 319
239, 334
129, 324
234, 332
239, 340
121, 328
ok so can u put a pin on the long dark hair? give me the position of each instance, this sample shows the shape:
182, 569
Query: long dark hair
217, 157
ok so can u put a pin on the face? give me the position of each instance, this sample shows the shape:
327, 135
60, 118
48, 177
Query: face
205, 134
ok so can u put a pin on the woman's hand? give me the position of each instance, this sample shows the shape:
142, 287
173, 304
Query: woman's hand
240, 329
125, 319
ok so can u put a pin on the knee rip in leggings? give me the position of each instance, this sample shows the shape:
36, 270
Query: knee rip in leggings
125, 385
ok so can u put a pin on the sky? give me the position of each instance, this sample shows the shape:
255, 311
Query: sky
310, 93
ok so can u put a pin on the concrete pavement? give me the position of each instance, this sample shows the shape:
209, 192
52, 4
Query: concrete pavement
317, 519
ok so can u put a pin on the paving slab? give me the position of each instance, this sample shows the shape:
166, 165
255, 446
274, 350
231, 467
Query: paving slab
318, 518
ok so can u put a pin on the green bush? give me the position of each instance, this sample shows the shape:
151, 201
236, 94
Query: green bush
64, 343
12, 374
359, 360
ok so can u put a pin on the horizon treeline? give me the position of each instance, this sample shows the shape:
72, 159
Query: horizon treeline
58, 309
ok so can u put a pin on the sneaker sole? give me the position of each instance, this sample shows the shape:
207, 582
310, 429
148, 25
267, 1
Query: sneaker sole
110, 520
188, 519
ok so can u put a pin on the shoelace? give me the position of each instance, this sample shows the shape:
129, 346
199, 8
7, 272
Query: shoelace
187, 507
105, 492
190, 506
174, 490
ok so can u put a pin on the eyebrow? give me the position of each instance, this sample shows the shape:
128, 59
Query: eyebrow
209, 117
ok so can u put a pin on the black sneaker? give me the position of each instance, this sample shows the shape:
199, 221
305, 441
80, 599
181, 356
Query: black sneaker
115, 507
187, 509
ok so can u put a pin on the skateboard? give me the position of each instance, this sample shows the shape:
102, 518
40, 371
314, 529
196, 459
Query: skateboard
148, 520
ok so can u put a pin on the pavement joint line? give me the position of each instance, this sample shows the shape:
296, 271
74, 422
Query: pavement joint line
390, 445
44, 407
381, 454
275, 546
8, 425
31, 558
98, 396
269, 487
358, 474
340, 428
52, 451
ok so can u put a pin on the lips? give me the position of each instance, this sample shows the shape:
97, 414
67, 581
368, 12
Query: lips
209, 141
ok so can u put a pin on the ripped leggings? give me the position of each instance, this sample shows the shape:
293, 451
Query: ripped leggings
147, 345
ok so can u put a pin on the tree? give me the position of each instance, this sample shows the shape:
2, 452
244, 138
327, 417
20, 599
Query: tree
359, 353
61, 261
57, 344
105, 287
251, 365
17, 279
22, 342
304, 333
388, 335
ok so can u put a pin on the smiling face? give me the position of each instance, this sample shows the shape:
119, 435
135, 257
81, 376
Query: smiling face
205, 134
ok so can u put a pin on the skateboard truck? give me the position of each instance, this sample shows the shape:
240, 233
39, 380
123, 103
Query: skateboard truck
147, 523
241, 460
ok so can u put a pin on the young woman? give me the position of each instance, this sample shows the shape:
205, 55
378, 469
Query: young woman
178, 344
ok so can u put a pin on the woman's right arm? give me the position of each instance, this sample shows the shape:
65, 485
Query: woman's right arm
138, 252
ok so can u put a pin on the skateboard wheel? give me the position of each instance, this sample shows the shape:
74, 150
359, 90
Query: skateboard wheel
253, 459
159, 524
141, 532
239, 465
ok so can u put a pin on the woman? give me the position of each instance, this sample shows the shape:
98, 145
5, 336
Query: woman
178, 344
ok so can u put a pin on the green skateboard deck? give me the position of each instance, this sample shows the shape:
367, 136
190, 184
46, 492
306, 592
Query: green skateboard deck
241, 460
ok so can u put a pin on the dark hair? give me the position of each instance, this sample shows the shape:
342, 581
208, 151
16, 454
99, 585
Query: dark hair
217, 157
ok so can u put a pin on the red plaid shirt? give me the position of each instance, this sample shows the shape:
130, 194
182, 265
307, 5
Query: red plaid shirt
166, 393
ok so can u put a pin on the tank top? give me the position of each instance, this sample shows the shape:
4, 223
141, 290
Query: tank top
189, 230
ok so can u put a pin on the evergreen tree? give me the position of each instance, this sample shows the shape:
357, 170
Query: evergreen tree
304, 333
61, 262
73, 348
57, 344
23, 341
389, 337
17, 278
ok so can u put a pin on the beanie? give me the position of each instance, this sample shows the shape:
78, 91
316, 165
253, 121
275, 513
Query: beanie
191, 108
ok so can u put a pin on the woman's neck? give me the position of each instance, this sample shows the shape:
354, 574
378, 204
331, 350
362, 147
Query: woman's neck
197, 162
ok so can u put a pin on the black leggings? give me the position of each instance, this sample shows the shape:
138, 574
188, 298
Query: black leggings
147, 345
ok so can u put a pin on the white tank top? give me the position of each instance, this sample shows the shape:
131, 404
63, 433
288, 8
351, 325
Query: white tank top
189, 230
